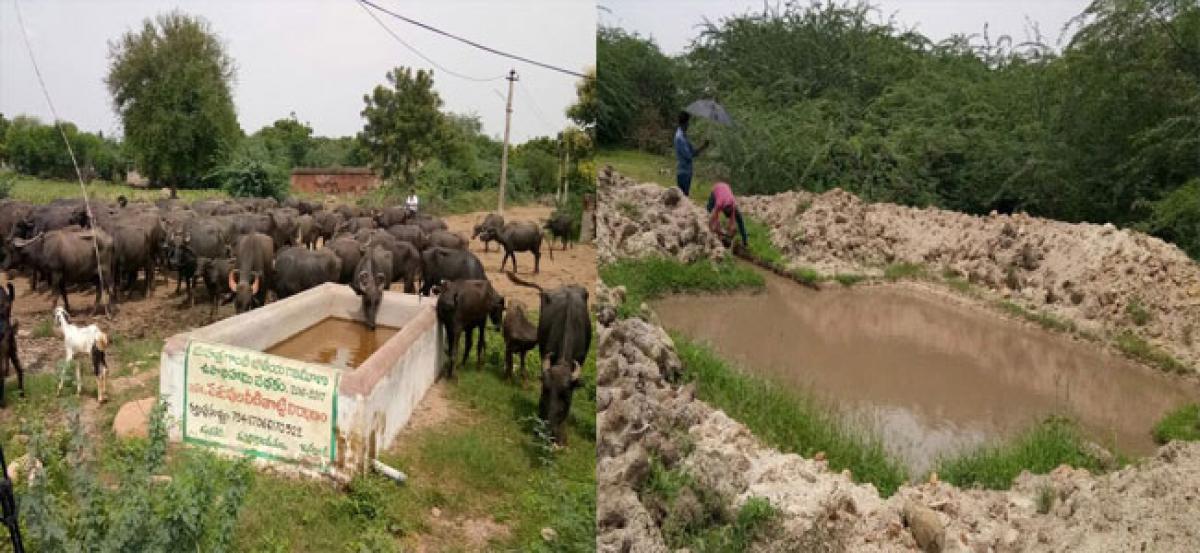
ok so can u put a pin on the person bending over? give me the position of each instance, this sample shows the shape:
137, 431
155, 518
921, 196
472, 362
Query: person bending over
720, 201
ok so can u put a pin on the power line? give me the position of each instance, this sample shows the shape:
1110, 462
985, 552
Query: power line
418, 52
58, 124
471, 42
532, 104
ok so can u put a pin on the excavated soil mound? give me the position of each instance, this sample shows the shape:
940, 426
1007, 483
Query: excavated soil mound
1103, 278
644, 220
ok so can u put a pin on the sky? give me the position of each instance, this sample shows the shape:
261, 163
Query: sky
673, 23
316, 58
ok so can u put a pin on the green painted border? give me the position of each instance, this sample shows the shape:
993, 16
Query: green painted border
251, 452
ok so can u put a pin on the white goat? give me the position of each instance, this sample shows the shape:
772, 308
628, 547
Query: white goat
86, 340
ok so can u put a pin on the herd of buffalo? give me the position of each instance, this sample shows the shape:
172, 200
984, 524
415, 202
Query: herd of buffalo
243, 249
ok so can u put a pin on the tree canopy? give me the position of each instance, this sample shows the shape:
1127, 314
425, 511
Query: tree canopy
403, 123
1104, 128
170, 85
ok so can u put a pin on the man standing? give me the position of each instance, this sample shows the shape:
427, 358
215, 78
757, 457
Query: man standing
720, 201
684, 152
411, 202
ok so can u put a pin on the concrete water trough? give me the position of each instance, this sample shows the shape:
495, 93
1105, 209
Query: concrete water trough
225, 392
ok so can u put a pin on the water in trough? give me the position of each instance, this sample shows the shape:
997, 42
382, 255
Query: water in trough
343, 343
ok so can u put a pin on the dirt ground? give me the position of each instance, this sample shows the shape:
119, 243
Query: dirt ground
577, 265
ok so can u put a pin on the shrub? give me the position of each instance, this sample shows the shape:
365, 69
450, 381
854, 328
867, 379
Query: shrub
1180, 424
68, 506
7, 181
246, 176
1055, 441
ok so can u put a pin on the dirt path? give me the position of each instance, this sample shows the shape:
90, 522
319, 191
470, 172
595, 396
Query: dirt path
577, 265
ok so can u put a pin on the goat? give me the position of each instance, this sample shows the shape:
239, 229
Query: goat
86, 340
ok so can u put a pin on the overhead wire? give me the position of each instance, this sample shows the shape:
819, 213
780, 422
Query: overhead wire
87, 205
472, 43
435, 64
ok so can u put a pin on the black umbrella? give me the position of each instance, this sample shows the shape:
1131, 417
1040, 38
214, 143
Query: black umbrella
710, 109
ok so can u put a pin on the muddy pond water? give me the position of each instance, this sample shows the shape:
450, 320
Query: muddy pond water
928, 376
343, 343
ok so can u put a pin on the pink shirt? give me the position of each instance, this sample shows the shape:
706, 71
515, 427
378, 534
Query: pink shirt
722, 197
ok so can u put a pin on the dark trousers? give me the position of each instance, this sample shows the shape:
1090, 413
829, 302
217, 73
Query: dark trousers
737, 216
684, 181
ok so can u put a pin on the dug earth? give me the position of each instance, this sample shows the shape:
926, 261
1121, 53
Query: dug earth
648, 422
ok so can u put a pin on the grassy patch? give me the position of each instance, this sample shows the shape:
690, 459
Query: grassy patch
1043, 448
646, 279
960, 285
848, 279
491, 465
807, 275
897, 271
1045, 320
1137, 348
1137, 312
35, 190
43, 329
660, 169
1180, 424
698, 518
760, 244
788, 420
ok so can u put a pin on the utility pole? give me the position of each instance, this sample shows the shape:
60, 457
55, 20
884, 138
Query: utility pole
559, 159
512, 78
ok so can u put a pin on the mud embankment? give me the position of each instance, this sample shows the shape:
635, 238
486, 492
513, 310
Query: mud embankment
646, 420
1105, 280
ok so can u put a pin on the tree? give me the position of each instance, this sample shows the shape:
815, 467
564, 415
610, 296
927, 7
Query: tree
170, 85
3, 130
586, 109
403, 124
288, 140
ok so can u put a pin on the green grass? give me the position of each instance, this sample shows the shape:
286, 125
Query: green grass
1137, 348
1137, 312
646, 167
1180, 424
848, 279
1045, 320
650, 278
760, 244
490, 466
698, 518
897, 271
35, 190
785, 419
43, 329
1053, 442
807, 275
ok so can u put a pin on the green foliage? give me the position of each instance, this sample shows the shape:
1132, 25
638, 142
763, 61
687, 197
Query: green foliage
288, 141
902, 270
646, 279
1137, 312
786, 419
848, 279
637, 92
1045, 320
760, 244
7, 181
34, 148
1176, 218
402, 123
1181, 424
1053, 442
1134, 346
698, 518
585, 112
1104, 128
68, 507
170, 84
250, 175
1045, 499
